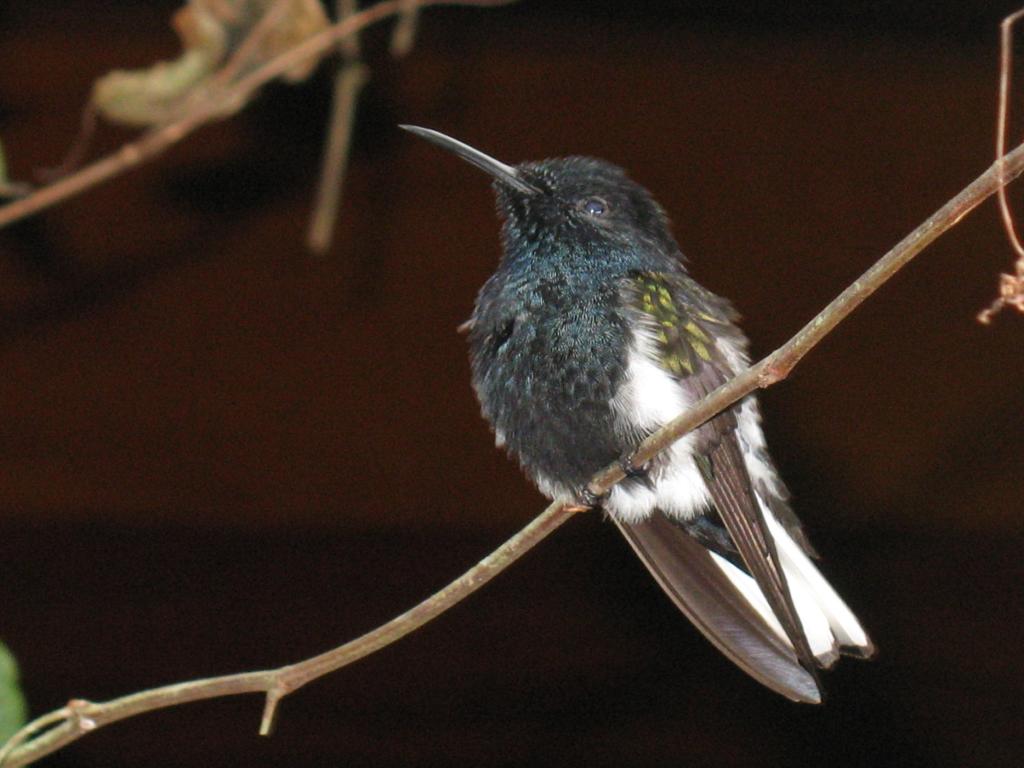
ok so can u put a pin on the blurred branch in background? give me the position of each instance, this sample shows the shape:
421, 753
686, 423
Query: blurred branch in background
404, 36
230, 51
349, 79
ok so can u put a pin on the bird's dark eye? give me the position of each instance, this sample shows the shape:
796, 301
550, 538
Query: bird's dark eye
594, 206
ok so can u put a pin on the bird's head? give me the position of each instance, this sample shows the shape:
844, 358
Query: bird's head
570, 207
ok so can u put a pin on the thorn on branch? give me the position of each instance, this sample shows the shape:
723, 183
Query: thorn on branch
267, 722
77, 708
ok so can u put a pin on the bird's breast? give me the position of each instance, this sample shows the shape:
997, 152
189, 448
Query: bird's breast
546, 369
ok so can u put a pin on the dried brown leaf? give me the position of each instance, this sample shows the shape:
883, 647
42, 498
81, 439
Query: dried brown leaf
211, 32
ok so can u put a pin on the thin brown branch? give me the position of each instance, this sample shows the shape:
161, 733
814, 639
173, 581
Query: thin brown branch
348, 83
1003, 116
80, 717
156, 141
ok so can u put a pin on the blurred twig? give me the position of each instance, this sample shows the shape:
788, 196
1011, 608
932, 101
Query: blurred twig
349, 79
80, 717
404, 36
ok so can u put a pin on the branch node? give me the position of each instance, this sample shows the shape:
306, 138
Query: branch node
77, 714
774, 371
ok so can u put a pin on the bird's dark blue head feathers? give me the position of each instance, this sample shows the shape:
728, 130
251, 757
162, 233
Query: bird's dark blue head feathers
584, 201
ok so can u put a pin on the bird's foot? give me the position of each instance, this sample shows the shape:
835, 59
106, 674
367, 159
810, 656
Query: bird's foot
631, 470
587, 500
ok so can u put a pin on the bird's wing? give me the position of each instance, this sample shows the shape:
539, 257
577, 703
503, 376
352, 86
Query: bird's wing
699, 587
726, 477
689, 353
682, 323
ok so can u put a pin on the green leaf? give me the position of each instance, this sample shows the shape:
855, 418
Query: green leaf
12, 703
3, 165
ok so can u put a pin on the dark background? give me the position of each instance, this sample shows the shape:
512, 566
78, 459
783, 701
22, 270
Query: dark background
219, 453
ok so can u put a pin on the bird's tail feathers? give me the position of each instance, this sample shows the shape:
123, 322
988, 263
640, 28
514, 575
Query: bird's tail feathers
726, 604
828, 623
818, 601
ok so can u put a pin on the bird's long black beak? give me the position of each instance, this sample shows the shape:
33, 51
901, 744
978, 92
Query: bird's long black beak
505, 173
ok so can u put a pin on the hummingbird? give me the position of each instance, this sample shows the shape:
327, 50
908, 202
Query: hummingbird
590, 336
